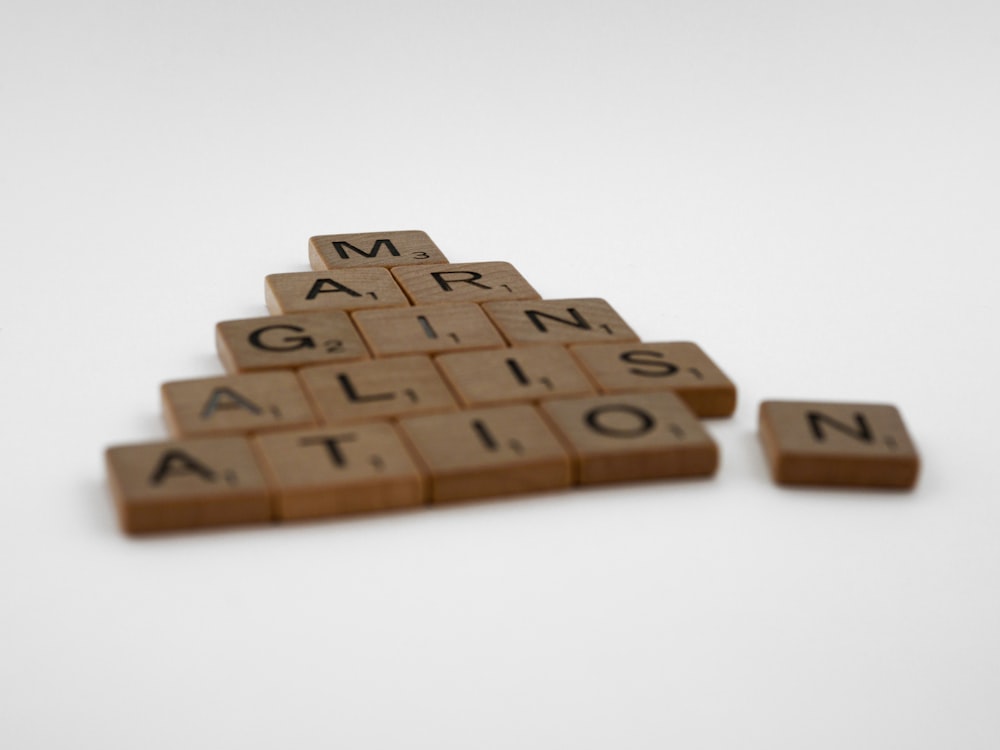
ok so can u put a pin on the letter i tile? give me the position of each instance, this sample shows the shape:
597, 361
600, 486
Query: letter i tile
427, 329
488, 451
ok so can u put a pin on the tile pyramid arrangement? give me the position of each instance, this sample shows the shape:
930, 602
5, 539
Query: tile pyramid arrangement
390, 378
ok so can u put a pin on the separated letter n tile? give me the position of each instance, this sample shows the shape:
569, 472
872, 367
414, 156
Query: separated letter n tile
837, 444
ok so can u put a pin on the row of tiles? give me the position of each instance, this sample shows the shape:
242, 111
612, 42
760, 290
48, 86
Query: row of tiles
486, 451
299, 339
381, 465
350, 392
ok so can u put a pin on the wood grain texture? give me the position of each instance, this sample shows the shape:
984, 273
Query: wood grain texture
443, 283
488, 452
384, 249
288, 341
558, 321
337, 471
632, 436
507, 376
235, 404
678, 366
377, 389
427, 329
187, 484
837, 444
316, 291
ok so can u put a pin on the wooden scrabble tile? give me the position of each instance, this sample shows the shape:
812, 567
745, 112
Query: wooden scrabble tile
837, 444
498, 376
463, 282
335, 471
489, 451
427, 329
558, 321
187, 484
235, 404
285, 341
623, 437
348, 289
377, 389
679, 366
372, 249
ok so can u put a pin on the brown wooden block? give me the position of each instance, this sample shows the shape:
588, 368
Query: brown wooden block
498, 376
837, 444
285, 341
631, 436
187, 484
341, 470
377, 389
463, 282
558, 321
489, 451
385, 249
235, 404
427, 329
679, 366
348, 289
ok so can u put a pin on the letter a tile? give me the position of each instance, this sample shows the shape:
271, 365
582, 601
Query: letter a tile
490, 451
187, 484
236, 404
837, 444
316, 291
629, 436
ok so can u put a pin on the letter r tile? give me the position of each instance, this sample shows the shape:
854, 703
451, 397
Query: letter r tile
463, 282
519, 374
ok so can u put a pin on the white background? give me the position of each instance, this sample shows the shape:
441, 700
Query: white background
808, 190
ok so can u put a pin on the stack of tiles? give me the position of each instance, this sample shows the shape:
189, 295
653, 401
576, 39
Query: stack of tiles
389, 378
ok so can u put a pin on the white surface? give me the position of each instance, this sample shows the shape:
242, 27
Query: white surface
806, 189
